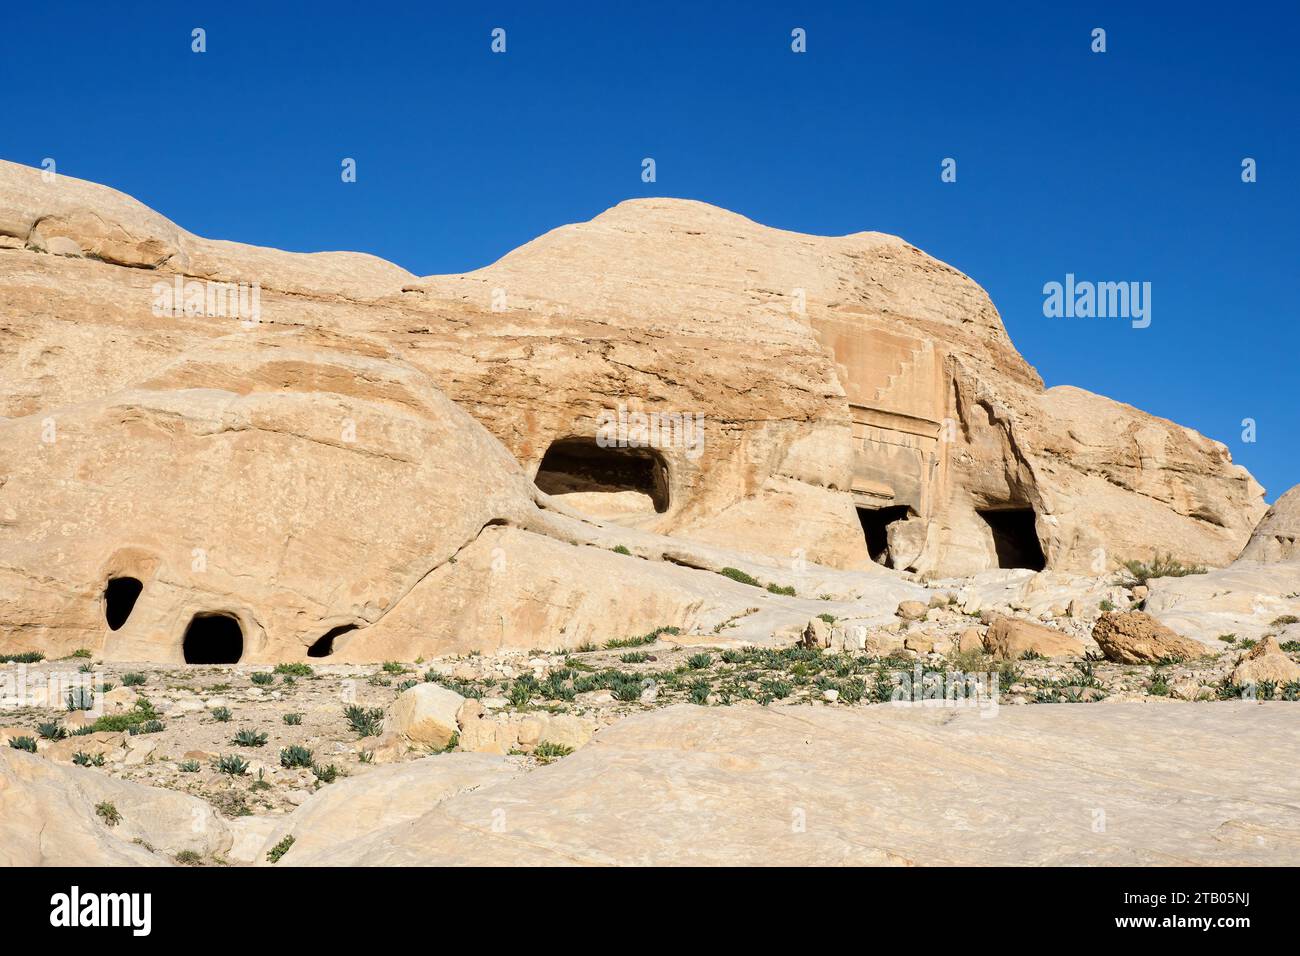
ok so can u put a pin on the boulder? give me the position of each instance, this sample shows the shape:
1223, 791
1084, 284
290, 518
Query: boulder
1010, 638
912, 610
970, 640
1134, 637
48, 818
1277, 536
425, 715
1263, 663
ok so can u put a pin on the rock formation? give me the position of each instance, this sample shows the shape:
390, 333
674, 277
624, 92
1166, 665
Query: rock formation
273, 448
1277, 537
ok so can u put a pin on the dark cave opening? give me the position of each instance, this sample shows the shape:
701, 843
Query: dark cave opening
213, 639
1015, 538
324, 645
120, 595
875, 528
582, 465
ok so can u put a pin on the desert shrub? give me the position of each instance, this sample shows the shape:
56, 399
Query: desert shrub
366, 721
52, 730
280, 849
699, 661
326, 774
621, 549
108, 813
188, 766
788, 590
188, 858
146, 727
221, 714
27, 657
249, 738
634, 657
23, 743
295, 756
393, 667
83, 759
295, 669
738, 575
232, 764
293, 720
262, 678
549, 751
134, 680
1135, 573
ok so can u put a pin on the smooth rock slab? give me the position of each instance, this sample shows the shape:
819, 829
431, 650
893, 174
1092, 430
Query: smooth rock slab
1100, 784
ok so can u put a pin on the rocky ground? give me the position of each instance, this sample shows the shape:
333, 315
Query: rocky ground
260, 740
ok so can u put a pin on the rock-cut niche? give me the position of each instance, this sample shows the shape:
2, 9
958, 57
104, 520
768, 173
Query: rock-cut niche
120, 595
1015, 537
213, 639
605, 481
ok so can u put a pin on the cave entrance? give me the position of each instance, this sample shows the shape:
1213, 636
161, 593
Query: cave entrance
608, 482
1015, 538
119, 600
213, 639
875, 528
324, 645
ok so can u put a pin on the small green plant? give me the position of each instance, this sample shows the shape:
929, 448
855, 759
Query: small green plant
1291, 647
1285, 619
295, 756
23, 743
188, 766
326, 774
547, 751
292, 719
1106, 604
279, 850
27, 657
249, 738
80, 698
788, 590
828, 618
699, 661
221, 714
262, 678
80, 652
393, 667
700, 691
232, 764
52, 730
1159, 686
146, 727
1228, 638
1032, 655
295, 670
622, 549
738, 575
134, 680
83, 759
108, 813
366, 756
188, 858
634, 657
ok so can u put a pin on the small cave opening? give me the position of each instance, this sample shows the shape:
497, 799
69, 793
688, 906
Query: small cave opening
213, 639
875, 528
120, 595
324, 645
1015, 538
637, 477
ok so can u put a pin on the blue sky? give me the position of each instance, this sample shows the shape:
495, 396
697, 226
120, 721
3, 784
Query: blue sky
1117, 166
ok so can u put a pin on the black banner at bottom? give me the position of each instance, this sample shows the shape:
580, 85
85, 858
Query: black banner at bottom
184, 904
